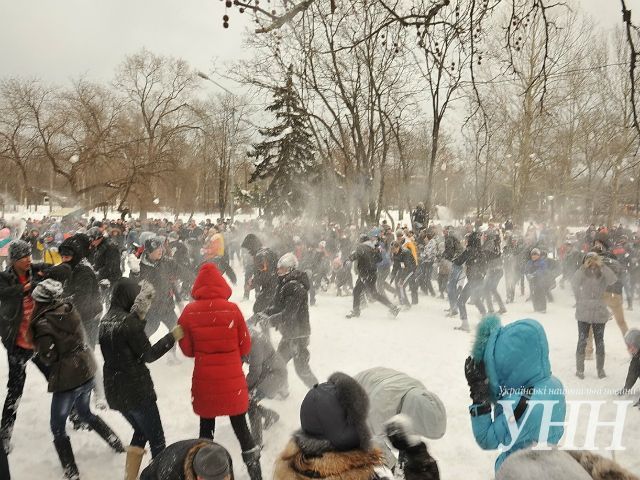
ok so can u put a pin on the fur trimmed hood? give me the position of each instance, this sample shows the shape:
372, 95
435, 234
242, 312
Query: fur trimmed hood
601, 468
294, 464
515, 356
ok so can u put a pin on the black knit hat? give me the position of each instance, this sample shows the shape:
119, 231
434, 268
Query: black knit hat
337, 411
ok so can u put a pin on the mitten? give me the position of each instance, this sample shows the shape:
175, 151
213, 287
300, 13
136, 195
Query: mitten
477, 380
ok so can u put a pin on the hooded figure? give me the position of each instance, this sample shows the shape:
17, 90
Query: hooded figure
511, 365
264, 279
216, 335
127, 380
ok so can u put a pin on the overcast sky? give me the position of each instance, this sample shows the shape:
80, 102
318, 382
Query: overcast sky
57, 40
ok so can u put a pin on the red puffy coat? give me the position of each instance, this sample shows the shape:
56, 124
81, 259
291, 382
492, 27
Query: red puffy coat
216, 335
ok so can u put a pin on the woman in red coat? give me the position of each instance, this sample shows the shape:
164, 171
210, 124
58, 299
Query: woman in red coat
215, 334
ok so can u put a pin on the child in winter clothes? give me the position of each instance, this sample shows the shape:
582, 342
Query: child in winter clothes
632, 339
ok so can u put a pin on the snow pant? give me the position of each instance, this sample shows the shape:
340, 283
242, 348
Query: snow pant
240, 428
452, 286
473, 290
383, 273
584, 330
614, 302
491, 289
147, 427
538, 294
368, 284
17, 360
297, 349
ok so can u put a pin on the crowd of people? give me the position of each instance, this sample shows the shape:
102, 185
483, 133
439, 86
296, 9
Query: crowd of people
70, 286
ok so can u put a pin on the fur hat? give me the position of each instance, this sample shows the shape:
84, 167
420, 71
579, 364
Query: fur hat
47, 291
18, 249
633, 338
600, 468
336, 411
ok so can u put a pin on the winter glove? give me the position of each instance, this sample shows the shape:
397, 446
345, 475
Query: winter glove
477, 380
177, 333
104, 283
637, 404
420, 465
397, 429
142, 303
134, 263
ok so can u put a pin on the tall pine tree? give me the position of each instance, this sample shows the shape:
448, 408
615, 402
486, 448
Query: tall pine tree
286, 155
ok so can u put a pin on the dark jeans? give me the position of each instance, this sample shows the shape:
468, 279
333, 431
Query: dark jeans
426, 278
15, 385
297, 349
583, 336
78, 399
471, 290
240, 428
368, 284
147, 427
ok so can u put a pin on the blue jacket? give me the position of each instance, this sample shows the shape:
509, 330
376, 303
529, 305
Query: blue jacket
516, 357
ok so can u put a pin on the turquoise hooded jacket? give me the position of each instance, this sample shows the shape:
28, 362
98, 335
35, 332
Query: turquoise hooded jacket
516, 357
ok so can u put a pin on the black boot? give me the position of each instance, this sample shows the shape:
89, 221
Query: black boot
580, 366
68, 461
107, 434
600, 365
251, 459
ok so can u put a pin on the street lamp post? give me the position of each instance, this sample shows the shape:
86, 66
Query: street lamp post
204, 76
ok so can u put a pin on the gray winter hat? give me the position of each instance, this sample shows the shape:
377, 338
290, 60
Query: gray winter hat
212, 462
18, 249
633, 338
47, 291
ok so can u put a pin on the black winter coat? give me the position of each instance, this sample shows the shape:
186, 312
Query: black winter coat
290, 309
11, 298
176, 461
367, 259
403, 263
452, 247
265, 280
474, 259
60, 341
106, 261
126, 351
82, 290
162, 275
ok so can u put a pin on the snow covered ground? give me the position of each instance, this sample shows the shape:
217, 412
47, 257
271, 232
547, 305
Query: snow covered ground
421, 342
